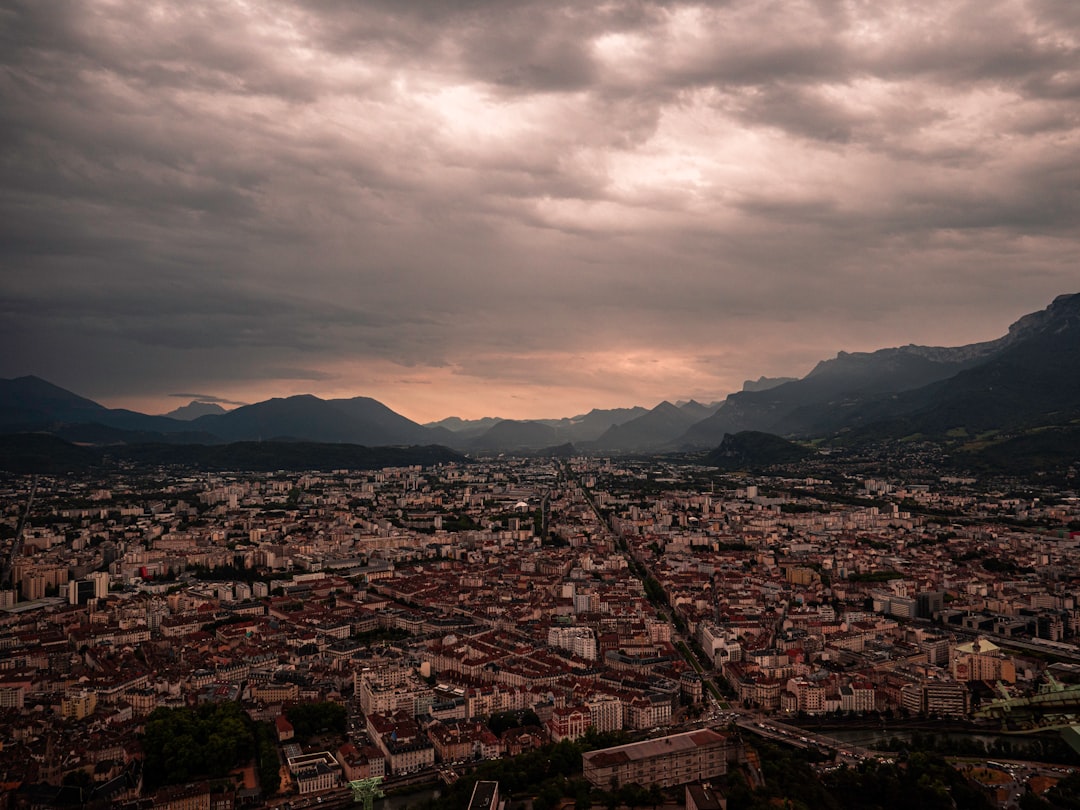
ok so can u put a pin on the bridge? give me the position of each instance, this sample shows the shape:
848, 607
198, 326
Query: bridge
1055, 707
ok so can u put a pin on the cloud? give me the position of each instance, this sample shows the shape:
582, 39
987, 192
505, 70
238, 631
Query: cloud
359, 197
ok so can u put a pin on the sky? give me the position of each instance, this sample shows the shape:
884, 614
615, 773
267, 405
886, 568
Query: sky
522, 209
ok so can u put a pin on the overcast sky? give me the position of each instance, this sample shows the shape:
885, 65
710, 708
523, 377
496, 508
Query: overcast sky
522, 209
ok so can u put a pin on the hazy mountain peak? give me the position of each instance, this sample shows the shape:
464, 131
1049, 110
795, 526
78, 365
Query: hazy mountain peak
456, 424
195, 409
765, 383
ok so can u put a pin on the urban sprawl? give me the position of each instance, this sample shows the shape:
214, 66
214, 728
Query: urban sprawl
690, 610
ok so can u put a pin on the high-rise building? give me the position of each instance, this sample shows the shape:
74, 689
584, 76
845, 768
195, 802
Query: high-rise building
101, 584
80, 591
928, 603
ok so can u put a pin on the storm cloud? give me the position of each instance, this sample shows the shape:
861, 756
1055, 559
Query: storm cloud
522, 208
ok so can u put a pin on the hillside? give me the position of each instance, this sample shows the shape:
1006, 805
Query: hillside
753, 450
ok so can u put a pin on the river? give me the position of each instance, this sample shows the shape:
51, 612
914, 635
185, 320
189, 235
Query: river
403, 801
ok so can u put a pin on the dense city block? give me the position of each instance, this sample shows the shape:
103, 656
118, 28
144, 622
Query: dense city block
243, 639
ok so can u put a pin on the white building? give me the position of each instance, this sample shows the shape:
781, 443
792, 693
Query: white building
581, 641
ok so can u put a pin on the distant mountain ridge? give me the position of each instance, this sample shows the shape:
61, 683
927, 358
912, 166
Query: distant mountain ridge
652, 430
1026, 379
31, 404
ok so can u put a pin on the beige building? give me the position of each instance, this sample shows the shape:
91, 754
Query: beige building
315, 772
679, 759
982, 660
77, 705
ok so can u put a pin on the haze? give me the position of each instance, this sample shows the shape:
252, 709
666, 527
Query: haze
522, 209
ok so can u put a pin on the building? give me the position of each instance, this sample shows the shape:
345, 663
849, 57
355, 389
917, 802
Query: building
982, 660
948, 698
935, 697
274, 692
315, 772
700, 797
928, 603
691, 687
12, 697
858, 697
679, 759
485, 796
569, 723
606, 713
80, 591
183, 797
580, 641
284, 728
406, 748
936, 649
392, 689
459, 740
77, 705
810, 697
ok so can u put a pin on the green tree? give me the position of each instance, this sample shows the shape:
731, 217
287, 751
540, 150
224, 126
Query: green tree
184, 744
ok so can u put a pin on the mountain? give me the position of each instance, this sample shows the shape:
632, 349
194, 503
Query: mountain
696, 411
650, 431
835, 391
305, 417
581, 428
511, 434
752, 450
765, 383
456, 424
1031, 382
390, 425
1052, 452
969, 398
29, 403
591, 426
486, 435
1024, 380
32, 404
195, 409
97, 434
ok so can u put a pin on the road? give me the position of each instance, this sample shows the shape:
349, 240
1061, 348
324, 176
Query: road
16, 544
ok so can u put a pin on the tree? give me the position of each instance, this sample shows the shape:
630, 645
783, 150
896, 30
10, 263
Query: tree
184, 744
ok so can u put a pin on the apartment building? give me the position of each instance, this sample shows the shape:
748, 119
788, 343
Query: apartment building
678, 759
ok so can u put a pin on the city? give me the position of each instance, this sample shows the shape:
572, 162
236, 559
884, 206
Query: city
437, 618
539, 405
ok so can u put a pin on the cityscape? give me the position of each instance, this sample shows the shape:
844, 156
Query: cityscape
405, 626
539, 405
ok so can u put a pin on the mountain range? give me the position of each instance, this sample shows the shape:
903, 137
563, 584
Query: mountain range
985, 392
